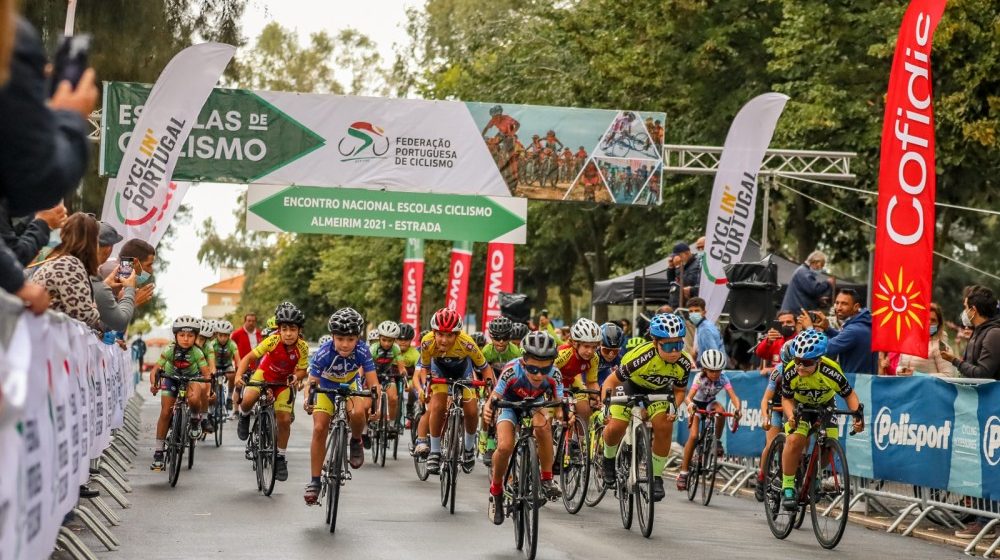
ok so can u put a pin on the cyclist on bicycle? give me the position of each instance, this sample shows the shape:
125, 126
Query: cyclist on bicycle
205, 335
226, 357
813, 380
498, 353
620, 129
282, 358
339, 361
517, 333
480, 340
388, 357
650, 368
410, 356
181, 358
770, 407
577, 362
533, 376
448, 352
706, 386
505, 124
609, 353
552, 142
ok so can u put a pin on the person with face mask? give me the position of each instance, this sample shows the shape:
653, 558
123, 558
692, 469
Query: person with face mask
809, 284
851, 345
707, 336
769, 349
934, 363
981, 358
115, 312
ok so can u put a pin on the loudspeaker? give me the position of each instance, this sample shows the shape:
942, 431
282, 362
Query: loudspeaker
515, 307
753, 288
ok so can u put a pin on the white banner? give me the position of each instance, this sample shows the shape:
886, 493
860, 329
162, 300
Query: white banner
141, 200
734, 196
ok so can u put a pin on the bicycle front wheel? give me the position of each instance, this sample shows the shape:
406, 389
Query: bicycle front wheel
175, 447
419, 462
512, 494
334, 473
220, 413
596, 491
695, 468
531, 491
626, 500
830, 495
644, 479
267, 454
711, 462
575, 473
383, 432
779, 521
190, 452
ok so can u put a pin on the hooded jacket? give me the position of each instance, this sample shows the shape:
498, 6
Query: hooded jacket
982, 355
852, 345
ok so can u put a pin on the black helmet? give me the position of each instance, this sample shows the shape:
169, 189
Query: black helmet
284, 305
290, 315
496, 110
480, 339
346, 322
406, 331
518, 331
539, 345
500, 328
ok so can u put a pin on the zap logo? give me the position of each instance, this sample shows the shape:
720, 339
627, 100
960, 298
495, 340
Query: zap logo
898, 302
991, 441
364, 141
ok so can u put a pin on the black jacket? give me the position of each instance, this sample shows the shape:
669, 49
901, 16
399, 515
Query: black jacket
982, 355
26, 239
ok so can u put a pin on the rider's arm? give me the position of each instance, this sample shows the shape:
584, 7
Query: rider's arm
371, 380
242, 368
689, 399
733, 398
788, 407
300, 374
679, 393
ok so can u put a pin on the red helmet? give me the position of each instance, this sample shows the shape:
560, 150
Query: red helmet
446, 320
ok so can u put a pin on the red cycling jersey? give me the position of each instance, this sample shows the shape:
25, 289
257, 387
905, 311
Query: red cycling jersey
278, 361
571, 365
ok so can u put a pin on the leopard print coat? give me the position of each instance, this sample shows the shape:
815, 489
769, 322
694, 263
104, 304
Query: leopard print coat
69, 286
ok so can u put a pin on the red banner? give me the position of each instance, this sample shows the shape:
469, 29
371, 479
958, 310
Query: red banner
413, 283
904, 239
458, 276
499, 278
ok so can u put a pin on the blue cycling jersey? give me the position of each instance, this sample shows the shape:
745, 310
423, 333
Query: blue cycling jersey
513, 384
605, 368
331, 368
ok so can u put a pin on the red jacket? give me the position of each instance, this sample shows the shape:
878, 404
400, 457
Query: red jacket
242, 340
768, 351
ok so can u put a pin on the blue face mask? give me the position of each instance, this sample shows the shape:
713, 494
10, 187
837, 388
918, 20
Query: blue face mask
934, 330
695, 318
142, 278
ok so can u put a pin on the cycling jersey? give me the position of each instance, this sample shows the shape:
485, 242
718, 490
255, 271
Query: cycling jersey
645, 370
464, 348
572, 366
330, 368
774, 384
410, 358
277, 360
224, 355
180, 362
817, 389
385, 359
506, 124
514, 385
494, 357
604, 368
706, 390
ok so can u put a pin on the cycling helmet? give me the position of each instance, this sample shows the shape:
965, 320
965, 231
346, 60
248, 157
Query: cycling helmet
480, 339
282, 305
406, 331
346, 322
271, 324
388, 329
585, 330
186, 323
667, 325
539, 345
446, 320
223, 327
518, 331
373, 337
612, 336
550, 133
496, 110
635, 341
785, 355
500, 328
289, 315
714, 359
207, 328
324, 339
810, 344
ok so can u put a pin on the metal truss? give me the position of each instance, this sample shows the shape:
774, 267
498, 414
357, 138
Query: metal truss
805, 164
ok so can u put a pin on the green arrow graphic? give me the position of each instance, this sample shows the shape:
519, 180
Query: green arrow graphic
239, 137
386, 214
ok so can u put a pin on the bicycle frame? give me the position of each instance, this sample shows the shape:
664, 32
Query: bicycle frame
637, 405
817, 432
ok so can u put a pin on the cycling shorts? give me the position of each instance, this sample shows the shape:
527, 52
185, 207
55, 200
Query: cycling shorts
168, 387
578, 384
325, 404
281, 404
623, 413
436, 371
511, 415
806, 422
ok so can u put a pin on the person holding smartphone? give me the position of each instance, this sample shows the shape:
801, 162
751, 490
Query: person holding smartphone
934, 363
782, 329
116, 311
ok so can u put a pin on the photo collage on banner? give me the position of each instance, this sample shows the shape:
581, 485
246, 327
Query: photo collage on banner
587, 155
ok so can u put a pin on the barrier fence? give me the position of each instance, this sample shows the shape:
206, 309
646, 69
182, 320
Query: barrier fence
65, 398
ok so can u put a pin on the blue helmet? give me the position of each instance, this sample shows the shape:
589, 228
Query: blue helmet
810, 344
785, 355
667, 325
612, 336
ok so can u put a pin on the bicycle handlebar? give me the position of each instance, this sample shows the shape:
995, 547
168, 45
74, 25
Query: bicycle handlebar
584, 391
635, 399
465, 382
858, 414
185, 379
273, 385
705, 412
525, 405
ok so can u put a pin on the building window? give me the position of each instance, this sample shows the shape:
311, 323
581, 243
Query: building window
227, 301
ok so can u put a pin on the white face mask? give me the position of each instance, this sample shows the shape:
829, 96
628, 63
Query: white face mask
966, 320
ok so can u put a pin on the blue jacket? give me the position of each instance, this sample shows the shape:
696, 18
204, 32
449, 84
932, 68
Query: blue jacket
804, 290
852, 345
707, 337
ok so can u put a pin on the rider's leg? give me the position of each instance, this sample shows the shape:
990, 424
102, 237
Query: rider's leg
543, 435
230, 383
662, 436
393, 396
283, 419
689, 446
317, 450
470, 409
436, 411
501, 457
583, 409
790, 457
250, 396
163, 422
719, 422
357, 412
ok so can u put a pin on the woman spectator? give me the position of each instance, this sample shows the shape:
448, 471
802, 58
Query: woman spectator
66, 273
933, 364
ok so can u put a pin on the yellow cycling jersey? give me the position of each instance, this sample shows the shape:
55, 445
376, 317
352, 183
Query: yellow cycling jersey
643, 367
816, 389
464, 347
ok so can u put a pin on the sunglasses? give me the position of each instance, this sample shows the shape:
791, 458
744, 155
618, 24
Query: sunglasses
538, 370
804, 363
672, 346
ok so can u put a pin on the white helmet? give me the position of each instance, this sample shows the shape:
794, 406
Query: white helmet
389, 329
223, 327
373, 336
186, 323
714, 359
585, 330
207, 328
324, 339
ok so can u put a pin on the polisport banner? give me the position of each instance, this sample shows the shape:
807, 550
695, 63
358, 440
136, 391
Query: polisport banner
413, 284
734, 196
499, 278
904, 235
458, 276
989, 421
412, 145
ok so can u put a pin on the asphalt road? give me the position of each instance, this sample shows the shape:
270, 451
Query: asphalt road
215, 511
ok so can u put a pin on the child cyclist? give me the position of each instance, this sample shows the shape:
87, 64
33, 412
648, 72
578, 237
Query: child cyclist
498, 352
530, 377
338, 361
706, 386
181, 358
770, 407
577, 362
388, 358
283, 358
226, 357
410, 356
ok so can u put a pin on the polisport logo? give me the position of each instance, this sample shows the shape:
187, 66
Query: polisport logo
991, 441
903, 433
364, 140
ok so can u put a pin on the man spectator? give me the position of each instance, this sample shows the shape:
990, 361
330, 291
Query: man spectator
28, 238
684, 270
116, 312
769, 349
808, 285
248, 336
851, 345
707, 336
139, 351
144, 259
981, 358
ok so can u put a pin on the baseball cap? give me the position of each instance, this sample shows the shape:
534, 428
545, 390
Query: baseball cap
108, 236
681, 248
543, 313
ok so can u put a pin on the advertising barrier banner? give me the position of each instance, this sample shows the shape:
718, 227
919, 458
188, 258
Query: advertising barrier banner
410, 145
988, 415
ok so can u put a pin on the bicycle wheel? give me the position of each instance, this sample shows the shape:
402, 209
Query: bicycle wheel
695, 467
383, 429
219, 413
267, 455
334, 473
398, 423
711, 465
575, 474
445, 474
597, 489
644, 479
513, 494
419, 462
618, 148
626, 501
830, 490
253, 452
190, 452
457, 430
531, 490
779, 521
175, 447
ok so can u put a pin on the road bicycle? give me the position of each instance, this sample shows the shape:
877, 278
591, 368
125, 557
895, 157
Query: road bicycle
419, 460
336, 471
596, 488
620, 145
179, 432
573, 455
704, 467
453, 438
262, 445
384, 429
822, 481
218, 411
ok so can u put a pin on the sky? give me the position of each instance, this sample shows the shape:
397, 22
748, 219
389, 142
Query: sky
382, 20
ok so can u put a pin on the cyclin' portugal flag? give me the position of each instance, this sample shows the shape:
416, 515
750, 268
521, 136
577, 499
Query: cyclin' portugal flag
904, 237
413, 284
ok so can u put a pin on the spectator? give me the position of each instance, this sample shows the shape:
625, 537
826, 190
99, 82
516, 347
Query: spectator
982, 355
707, 336
852, 344
809, 285
248, 336
29, 238
934, 363
144, 256
769, 349
66, 273
139, 351
116, 313
626, 326
544, 324
685, 270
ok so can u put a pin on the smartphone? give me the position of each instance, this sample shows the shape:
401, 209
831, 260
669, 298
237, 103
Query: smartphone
125, 267
775, 324
942, 346
816, 317
72, 60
